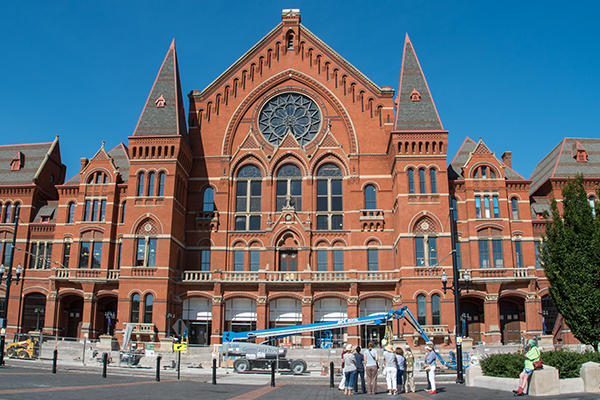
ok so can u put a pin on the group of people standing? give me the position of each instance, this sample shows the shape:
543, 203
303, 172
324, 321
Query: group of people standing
398, 367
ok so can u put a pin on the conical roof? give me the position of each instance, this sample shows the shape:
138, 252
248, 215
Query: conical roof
415, 107
164, 112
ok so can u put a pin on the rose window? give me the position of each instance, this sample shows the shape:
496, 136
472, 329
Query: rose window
289, 112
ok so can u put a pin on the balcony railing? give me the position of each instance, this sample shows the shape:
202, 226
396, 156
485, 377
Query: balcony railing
67, 274
480, 274
290, 276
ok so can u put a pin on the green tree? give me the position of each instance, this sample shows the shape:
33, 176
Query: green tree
570, 254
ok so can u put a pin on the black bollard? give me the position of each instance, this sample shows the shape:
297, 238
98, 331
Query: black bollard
273, 374
104, 364
158, 368
54, 360
214, 382
331, 384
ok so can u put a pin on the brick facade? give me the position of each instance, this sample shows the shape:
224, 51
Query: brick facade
300, 192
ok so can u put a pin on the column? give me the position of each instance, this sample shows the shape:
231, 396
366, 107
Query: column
308, 338
353, 312
533, 317
492, 319
262, 313
89, 308
217, 320
51, 313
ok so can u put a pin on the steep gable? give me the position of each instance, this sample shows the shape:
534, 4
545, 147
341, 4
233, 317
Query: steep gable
415, 109
164, 112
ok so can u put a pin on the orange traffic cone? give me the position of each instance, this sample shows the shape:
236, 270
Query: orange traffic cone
323, 372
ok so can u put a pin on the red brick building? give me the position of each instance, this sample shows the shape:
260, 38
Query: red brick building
300, 192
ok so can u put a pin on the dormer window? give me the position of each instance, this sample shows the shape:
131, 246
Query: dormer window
17, 162
160, 102
484, 172
415, 95
578, 152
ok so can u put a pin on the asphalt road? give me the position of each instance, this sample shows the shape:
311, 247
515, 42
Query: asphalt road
24, 383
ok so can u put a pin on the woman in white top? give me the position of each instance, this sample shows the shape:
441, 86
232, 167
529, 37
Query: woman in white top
391, 369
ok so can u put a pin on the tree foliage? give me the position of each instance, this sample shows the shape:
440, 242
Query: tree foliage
570, 254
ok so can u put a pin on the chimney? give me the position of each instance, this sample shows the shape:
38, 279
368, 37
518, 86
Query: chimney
507, 158
84, 163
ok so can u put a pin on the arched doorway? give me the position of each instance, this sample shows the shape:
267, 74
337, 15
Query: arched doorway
286, 312
34, 307
331, 309
512, 313
472, 319
106, 310
288, 252
197, 314
372, 306
240, 315
549, 315
71, 316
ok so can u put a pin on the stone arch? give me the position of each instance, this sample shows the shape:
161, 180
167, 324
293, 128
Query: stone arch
36, 289
142, 218
237, 241
286, 158
325, 295
319, 242
284, 295
473, 294
372, 241
417, 217
234, 295
288, 230
369, 295
512, 293
336, 159
249, 158
372, 183
193, 293
263, 89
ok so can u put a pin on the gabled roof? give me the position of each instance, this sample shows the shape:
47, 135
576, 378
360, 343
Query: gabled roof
46, 209
164, 118
416, 112
119, 156
462, 157
559, 163
35, 157
304, 32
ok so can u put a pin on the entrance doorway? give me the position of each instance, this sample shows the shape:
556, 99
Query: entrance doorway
72, 307
511, 316
199, 333
31, 303
288, 260
471, 316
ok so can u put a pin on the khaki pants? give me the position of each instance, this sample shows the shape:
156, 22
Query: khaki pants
372, 379
409, 381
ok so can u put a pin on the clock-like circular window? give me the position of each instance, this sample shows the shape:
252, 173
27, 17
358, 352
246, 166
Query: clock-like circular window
289, 112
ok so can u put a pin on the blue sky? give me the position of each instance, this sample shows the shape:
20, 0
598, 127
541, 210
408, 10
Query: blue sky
520, 74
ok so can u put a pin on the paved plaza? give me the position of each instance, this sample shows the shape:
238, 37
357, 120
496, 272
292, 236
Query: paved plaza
24, 381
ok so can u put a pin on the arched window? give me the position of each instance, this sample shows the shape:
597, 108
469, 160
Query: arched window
436, 313
146, 244
151, 184
16, 212
123, 207
141, 178
411, 181
421, 310
148, 305
484, 172
330, 207
425, 243
7, 213
161, 184
422, 181
514, 204
71, 213
289, 187
208, 203
135, 309
433, 178
248, 199
370, 198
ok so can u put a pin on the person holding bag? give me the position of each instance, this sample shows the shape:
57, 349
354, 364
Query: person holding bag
409, 378
371, 367
532, 361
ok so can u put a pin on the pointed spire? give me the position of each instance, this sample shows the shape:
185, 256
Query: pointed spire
415, 109
164, 112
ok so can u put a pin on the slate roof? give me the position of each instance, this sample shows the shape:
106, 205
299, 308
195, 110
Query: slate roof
170, 119
559, 163
464, 153
119, 155
46, 209
35, 156
414, 115
539, 204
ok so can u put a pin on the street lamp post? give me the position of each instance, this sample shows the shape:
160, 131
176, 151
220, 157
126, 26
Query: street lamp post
9, 280
456, 288
169, 316
38, 311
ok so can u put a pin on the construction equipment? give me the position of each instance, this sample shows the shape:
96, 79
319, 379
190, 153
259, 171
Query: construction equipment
24, 346
262, 355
